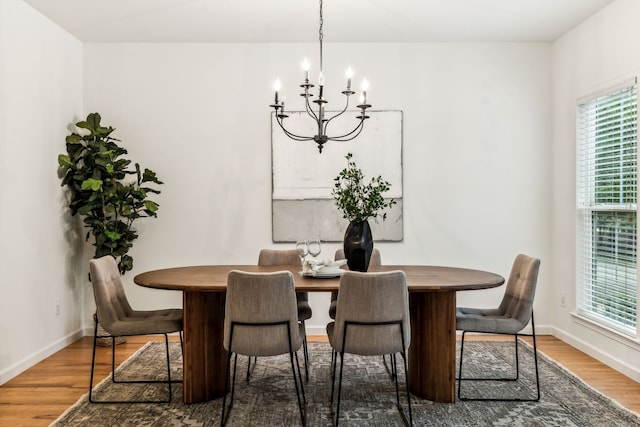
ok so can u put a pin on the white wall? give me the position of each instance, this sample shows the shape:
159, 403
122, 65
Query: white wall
40, 92
597, 54
476, 151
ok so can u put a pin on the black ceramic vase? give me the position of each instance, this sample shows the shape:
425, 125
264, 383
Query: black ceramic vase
358, 245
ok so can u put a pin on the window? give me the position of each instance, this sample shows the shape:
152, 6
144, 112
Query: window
607, 207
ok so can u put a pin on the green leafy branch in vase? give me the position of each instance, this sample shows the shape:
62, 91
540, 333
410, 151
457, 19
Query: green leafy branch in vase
356, 200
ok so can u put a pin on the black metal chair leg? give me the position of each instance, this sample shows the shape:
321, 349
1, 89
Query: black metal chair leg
333, 355
249, 369
114, 380
166, 342
339, 388
393, 367
390, 368
304, 396
306, 352
233, 384
394, 373
295, 366
334, 358
515, 344
406, 381
460, 364
301, 402
535, 358
93, 362
226, 391
517, 376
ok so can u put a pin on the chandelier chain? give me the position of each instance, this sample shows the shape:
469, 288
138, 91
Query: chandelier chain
321, 34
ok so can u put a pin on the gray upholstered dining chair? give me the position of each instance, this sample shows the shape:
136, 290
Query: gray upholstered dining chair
289, 257
510, 318
115, 315
261, 319
372, 319
376, 259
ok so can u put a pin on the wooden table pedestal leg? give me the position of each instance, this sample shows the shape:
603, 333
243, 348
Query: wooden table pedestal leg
205, 359
432, 354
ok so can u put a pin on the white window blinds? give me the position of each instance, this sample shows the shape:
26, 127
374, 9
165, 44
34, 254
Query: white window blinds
607, 204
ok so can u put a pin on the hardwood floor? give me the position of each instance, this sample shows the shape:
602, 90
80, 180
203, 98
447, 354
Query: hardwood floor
38, 396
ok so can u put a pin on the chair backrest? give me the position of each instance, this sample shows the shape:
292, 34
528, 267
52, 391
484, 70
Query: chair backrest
278, 257
376, 258
282, 257
517, 303
261, 298
111, 302
372, 297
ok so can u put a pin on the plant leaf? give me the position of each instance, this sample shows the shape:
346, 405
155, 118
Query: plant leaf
150, 175
150, 206
64, 160
112, 235
74, 138
93, 121
92, 184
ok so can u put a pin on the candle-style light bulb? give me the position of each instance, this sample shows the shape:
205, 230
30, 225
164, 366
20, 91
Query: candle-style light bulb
277, 86
365, 87
349, 75
305, 67
321, 84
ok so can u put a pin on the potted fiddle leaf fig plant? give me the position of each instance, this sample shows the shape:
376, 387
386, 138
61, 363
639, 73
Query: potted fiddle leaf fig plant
358, 201
106, 190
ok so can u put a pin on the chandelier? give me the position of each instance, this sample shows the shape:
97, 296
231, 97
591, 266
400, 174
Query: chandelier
319, 114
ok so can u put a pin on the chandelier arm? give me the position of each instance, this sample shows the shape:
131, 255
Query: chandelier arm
357, 129
292, 135
310, 109
337, 115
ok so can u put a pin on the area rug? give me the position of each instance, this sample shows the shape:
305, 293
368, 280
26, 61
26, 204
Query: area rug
367, 400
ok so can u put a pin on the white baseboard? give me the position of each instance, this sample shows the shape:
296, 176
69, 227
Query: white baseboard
17, 368
606, 358
316, 330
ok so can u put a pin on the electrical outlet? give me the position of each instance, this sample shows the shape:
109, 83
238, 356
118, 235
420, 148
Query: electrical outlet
563, 299
58, 307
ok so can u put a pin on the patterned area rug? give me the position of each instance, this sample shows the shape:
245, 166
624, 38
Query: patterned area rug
368, 395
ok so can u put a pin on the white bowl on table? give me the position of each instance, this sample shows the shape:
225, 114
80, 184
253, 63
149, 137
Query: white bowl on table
330, 268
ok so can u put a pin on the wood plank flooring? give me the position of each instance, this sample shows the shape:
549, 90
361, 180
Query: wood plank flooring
38, 396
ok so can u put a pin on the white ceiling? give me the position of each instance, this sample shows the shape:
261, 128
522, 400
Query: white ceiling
294, 21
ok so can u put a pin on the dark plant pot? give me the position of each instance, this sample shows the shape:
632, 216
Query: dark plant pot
358, 245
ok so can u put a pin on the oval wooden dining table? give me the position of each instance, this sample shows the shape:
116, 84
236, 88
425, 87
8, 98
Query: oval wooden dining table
432, 305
